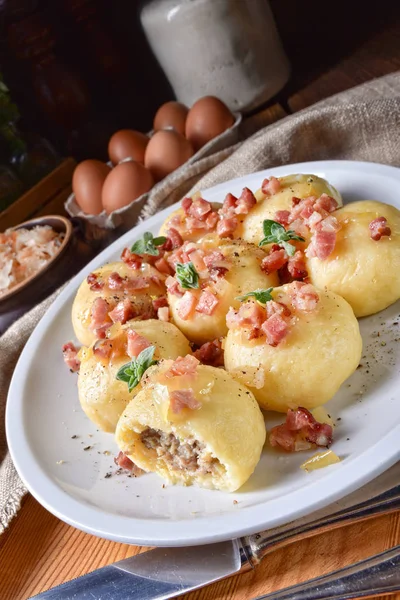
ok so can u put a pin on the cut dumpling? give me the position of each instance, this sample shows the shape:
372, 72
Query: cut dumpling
278, 199
114, 293
295, 351
224, 269
103, 397
193, 424
364, 265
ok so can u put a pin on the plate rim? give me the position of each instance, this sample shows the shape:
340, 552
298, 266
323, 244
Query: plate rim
146, 531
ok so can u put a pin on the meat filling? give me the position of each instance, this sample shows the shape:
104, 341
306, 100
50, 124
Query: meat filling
190, 455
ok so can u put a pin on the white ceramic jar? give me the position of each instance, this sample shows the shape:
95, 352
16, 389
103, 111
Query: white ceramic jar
226, 48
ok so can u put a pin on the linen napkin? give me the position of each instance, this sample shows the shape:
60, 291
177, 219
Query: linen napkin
360, 124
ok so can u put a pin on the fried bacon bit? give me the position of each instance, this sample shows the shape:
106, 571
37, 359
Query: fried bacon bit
282, 216
160, 302
303, 296
275, 329
70, 352
134, 261
122, 312
229, 205
175, 237
226, 227
323, 242
271, 186
199, 209
197, 258
186, 204
94, 283
100, 321
162, 265
180, 399
163, 313
183, 366
136, 343
326, 203
103, 348
245, 202
138, 283
211, 353
250, 314
211, 220
186, 305
379, 228
277, 308
124, 462
115, 281
297, 265
300, 431
275, 260
207, 303
173, 287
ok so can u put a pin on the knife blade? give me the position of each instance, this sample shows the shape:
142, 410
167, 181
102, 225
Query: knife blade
165, 573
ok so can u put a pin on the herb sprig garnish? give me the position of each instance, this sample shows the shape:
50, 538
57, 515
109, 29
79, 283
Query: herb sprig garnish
187, 276
261, 296
275, 233
148, 244
132, 372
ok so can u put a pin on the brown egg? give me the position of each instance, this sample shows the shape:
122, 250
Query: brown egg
167, 150
171, 114
126, 182
207, 118
127, 143
87, 183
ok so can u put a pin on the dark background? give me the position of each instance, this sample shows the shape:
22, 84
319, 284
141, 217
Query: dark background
81, 69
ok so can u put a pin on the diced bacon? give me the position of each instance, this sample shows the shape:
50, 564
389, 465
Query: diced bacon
250, 315
379, 228
185, 365
173, 287
175, 258
100, 321
229, 206
180, 399
211, 353
314, 219
136, 283
70, 356
134, 261
299, 227
226, 227
326, 202
233, 318
94, 282
215, 258
136, 343
297, 265
282, 217
302, 209
211, 220
175, 237
160, 302
300, 431
271, 186
193, 223
122, 312
167, 246
277, 308
275, 328
196, 257
218, 272
274, 261
186, 305
115, 281
329, 224
103, 348
303, 295
163, 313
124, 462
162, 265
186, 204
199, 209
322, 244
245, 202
208, 302
295, 200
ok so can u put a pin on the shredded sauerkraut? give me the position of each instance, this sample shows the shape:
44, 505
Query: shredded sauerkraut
24, 252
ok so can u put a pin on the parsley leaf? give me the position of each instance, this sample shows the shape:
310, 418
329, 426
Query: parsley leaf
132, 372
275, 233
187, 276
261, 296
148, 244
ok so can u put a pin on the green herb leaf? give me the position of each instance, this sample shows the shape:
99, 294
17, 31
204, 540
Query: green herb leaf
131, 373
261, 296
275, 233
187, 276
148, 244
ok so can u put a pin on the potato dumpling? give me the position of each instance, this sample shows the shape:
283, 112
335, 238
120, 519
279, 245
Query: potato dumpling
366, 272
202, 427
89, 327
300, 186
102, 396
305, 344
193, 220
234, 269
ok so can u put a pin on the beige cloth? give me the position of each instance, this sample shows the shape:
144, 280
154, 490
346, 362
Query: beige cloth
360, 124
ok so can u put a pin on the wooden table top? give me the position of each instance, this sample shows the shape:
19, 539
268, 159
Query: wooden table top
39, 551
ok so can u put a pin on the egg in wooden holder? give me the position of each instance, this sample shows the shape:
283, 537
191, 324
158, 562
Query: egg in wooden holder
103, 397
115, 286
193, 424
277, 196
211, 275
294, 350
364, 266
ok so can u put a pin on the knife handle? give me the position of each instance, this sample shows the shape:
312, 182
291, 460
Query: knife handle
258, 545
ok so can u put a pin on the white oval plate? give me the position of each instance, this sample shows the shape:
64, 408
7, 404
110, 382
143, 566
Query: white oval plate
43, 415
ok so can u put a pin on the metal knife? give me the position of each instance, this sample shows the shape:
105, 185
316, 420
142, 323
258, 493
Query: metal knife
169, 572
